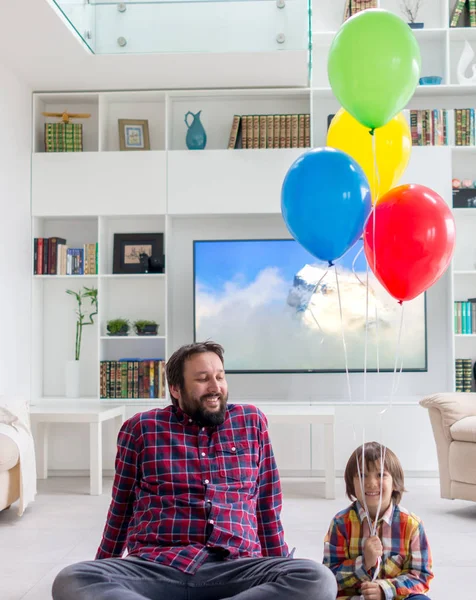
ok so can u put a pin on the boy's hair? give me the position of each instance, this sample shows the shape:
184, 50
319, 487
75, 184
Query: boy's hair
373, 451
175, 366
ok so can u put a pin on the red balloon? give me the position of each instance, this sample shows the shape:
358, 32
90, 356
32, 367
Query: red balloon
414, 240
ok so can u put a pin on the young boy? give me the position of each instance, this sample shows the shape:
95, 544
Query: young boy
395, 564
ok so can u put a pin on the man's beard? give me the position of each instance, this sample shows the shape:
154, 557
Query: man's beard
195, 408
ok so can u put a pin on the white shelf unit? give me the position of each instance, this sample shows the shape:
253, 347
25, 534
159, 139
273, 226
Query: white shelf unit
217, 193
141, 296
88, 197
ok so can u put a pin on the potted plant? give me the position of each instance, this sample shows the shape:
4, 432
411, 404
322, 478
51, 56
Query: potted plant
118, 327
410, 9
84, 318
144, 327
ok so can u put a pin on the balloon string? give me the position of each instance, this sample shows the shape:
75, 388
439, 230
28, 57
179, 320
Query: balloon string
376, 179
310, 305
397, 355
374, 227
366, 332
349, 389
353, 265
395, 379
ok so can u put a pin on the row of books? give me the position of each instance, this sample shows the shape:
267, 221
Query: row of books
132, 378
51, 256
352, 7
463, 374
429, 127
464, 127
465, 316
270, 131
463, 9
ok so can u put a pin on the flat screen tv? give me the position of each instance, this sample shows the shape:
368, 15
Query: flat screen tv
258, 298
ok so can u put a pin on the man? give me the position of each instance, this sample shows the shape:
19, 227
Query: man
196, 503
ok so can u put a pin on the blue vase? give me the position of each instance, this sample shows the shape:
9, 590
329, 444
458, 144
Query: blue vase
196, 137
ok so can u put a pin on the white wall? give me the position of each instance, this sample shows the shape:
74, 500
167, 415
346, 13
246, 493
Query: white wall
15, 239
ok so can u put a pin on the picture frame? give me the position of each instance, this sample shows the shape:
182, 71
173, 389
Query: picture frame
134, 134
128, 248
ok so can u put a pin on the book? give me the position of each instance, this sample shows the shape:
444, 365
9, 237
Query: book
234, 132
457, 12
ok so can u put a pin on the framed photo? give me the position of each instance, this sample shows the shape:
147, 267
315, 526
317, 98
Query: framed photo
134, 134
138, 253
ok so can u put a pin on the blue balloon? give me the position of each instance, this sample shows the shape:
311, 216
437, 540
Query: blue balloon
325, 202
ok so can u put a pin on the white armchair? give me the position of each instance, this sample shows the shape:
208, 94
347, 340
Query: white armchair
453, 419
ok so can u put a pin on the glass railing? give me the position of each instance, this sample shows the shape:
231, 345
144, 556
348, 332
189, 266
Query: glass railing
203, 26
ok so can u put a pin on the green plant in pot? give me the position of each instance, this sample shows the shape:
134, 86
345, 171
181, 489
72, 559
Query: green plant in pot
145, 327
90, 294
117, 327
84, 318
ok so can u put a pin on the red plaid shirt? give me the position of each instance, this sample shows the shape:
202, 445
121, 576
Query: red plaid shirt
180, 488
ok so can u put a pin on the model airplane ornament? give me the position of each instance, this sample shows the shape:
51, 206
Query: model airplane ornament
66, 116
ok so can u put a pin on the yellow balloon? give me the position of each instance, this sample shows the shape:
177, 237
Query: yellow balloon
393, 144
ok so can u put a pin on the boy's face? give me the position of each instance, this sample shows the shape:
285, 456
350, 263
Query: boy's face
371, 489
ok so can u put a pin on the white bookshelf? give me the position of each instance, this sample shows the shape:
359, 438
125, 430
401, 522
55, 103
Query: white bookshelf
87, 197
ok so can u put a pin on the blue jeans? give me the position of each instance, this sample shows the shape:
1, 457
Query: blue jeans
242, 579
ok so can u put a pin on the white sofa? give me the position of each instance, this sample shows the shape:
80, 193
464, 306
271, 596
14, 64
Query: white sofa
9, 472
453, 419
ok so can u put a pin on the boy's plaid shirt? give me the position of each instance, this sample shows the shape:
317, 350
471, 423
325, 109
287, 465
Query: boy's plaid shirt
406, 566
180, 488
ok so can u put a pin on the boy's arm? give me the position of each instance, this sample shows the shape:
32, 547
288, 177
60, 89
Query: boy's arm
416, 573
269, 503
121, 508
349, 572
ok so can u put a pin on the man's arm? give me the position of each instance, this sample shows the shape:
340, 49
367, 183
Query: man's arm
416, 573
349, 572
270, 499
121, 507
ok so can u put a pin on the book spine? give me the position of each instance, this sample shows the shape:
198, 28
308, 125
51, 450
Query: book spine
277, 131
263, 130
255, 132
282, 131
288, 131
35, 256
234, 132
458, 9
301, 131
294, 131
307, 131
270, 131
244, 131
472, 13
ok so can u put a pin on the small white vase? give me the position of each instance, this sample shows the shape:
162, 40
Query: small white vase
72, 379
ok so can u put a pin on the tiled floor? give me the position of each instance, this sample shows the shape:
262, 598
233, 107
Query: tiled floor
64, 525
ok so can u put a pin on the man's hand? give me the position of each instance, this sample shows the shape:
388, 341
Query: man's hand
373, 549
372, 591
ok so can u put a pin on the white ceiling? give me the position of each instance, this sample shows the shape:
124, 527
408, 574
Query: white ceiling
37, 46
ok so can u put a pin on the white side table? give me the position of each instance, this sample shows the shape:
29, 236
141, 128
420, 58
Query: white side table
309, 415
75, 411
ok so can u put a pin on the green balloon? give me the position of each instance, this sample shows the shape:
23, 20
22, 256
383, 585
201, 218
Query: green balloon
374, 66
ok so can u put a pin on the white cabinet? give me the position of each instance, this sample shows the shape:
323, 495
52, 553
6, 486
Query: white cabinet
99, 183
227, 182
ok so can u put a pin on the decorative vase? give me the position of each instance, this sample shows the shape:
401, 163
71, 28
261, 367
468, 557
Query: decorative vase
465, 60
72, 379
196, 137
416, 25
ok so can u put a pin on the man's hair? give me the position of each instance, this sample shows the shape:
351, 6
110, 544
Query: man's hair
175, 366
373, 452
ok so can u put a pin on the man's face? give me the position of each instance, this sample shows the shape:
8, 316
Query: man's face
205, 392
